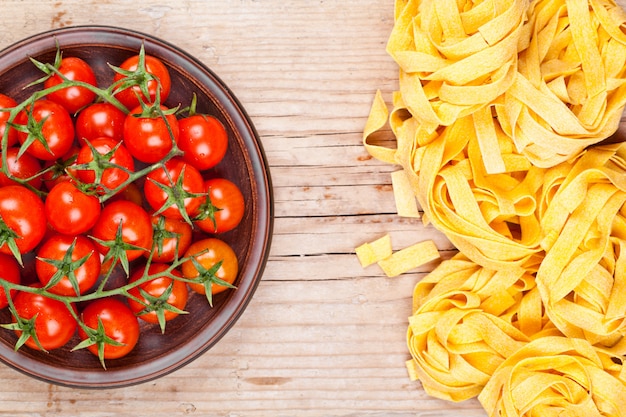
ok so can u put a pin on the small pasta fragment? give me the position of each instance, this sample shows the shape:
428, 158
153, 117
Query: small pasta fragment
371, 252
411, 257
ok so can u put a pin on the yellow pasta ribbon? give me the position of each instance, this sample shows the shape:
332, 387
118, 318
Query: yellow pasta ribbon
581, 277
399, 262
553, 376
466, 321
406, 202
454, 61
408, 258
371, 252
569, 92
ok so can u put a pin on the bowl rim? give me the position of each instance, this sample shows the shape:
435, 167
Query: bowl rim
263, 224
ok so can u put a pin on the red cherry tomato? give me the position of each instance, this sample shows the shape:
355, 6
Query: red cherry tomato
10, 272
112, 177
148, 138
53, 122
172, 237
208, 252
54, 323
75, 97
153, 66
7, 102
132, 193
55, 249
136, 227
170, 176
98, 120
22, 211
203, 139
119, 323
26, 166
69, 210
228, 204
145, 310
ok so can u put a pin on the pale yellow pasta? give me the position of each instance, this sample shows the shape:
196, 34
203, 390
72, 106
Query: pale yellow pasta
582, 276
466, 321
406, 202
569, 92
555, 376
371, 252
409, 258
392, 263
455, 60
499, 123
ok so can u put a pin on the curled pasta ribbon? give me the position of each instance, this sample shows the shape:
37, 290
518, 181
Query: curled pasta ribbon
455, 56
489, 217
570, 91
553, 376
582, 279
466, 321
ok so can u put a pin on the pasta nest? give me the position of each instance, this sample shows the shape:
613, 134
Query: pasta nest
553, 376
467, 320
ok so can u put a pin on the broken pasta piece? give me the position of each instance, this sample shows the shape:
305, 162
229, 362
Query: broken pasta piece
372, 252
409, 258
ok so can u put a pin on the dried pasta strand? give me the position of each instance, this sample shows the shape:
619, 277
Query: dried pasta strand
409, 258
569, 93
377, 119
463, 327
406, 203
371, 252
526, 382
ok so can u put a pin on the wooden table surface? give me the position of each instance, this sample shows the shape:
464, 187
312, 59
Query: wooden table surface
322, 335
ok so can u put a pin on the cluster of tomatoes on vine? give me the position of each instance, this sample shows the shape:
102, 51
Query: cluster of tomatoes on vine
93, 179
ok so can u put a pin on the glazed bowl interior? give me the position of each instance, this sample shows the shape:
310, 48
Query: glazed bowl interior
190, 335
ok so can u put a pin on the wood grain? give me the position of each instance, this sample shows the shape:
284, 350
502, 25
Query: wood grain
322, 336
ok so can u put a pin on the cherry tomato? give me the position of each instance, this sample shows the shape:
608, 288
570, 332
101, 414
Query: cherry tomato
100, 119
26, 166
172, 237
153, 66
111, 177
10, 272
7, 102
75, 97
208, 252
131, 192
147, 138
61, 169
54, 250
54, 323
69, 210
57, 130
203, 139
136, 227
170, 176
119, 323
22, 211
228, 204
155, 288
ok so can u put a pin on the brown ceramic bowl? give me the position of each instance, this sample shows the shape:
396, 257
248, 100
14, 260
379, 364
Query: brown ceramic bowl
187, 336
